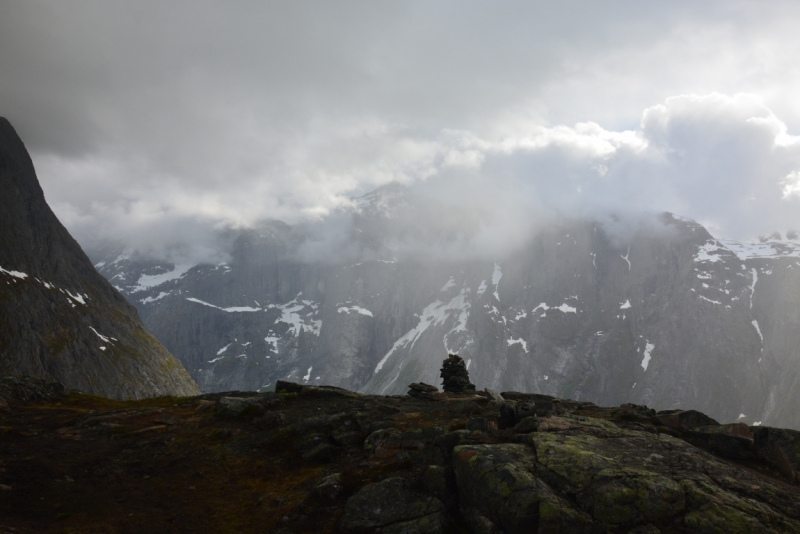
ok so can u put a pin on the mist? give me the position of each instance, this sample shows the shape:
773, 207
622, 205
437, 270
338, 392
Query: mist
166, 127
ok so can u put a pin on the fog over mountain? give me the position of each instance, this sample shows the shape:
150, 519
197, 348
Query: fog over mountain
158, 125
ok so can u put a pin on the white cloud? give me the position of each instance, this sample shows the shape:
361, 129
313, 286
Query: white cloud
147, 115
791, 185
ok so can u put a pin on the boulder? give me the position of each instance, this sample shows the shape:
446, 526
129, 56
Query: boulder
781, 448
684, 419
499, 492
609, 482
422, 387
330, 488
422, 390
235, 406
527, 425
726, 441
288, 387
315, 447
391, 503
25, 389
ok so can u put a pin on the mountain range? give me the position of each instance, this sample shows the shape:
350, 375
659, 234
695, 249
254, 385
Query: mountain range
661, 313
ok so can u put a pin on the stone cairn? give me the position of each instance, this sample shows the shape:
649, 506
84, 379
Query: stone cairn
455, 377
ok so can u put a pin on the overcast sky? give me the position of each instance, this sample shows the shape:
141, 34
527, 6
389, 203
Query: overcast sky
164, 119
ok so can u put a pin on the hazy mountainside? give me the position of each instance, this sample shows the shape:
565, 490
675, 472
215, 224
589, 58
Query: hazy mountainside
666, 316
59, 319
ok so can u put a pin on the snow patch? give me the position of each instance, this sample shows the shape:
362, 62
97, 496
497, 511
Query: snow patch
564, 308
520, 341
290, 316
362, 311
232, 309
450, 283
648, 349
625, 257
15, 274
102, 337
160, 296
753, 287
482, 288
308, 375
772, 249
434, 314
496, 276
146, 281
755, 323
625, 305
709, 251
77, 298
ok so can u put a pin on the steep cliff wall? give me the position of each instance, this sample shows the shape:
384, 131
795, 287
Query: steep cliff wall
59, 319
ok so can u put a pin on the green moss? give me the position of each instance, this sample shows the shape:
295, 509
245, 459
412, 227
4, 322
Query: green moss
722, 519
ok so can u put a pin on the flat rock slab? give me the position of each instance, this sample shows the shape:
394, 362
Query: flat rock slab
388, 503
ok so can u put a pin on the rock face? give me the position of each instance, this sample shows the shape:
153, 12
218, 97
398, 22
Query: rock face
59, 319
663, 314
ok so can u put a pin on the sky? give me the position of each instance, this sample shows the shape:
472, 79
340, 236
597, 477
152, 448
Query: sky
161, 122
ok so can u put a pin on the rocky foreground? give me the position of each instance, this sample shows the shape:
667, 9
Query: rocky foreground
319, 459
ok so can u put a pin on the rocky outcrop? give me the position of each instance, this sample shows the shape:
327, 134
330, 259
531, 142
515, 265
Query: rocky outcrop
320, 459
59, 319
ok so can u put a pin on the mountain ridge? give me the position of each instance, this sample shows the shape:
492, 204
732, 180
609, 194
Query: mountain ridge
663, 315
60, 319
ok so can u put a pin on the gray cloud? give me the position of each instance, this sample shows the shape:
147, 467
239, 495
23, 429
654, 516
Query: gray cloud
160, 123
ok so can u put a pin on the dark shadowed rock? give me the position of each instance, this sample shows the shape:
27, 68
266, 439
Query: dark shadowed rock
392, 503
781, 448
24, 389
422, 387
684, 419
59, 319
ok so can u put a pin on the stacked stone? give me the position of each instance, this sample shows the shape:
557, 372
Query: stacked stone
422, 390
455, 377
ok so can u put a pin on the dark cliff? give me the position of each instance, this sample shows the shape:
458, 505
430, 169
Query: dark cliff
59, 319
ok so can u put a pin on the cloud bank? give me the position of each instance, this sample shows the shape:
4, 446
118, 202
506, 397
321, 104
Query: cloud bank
160, 124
